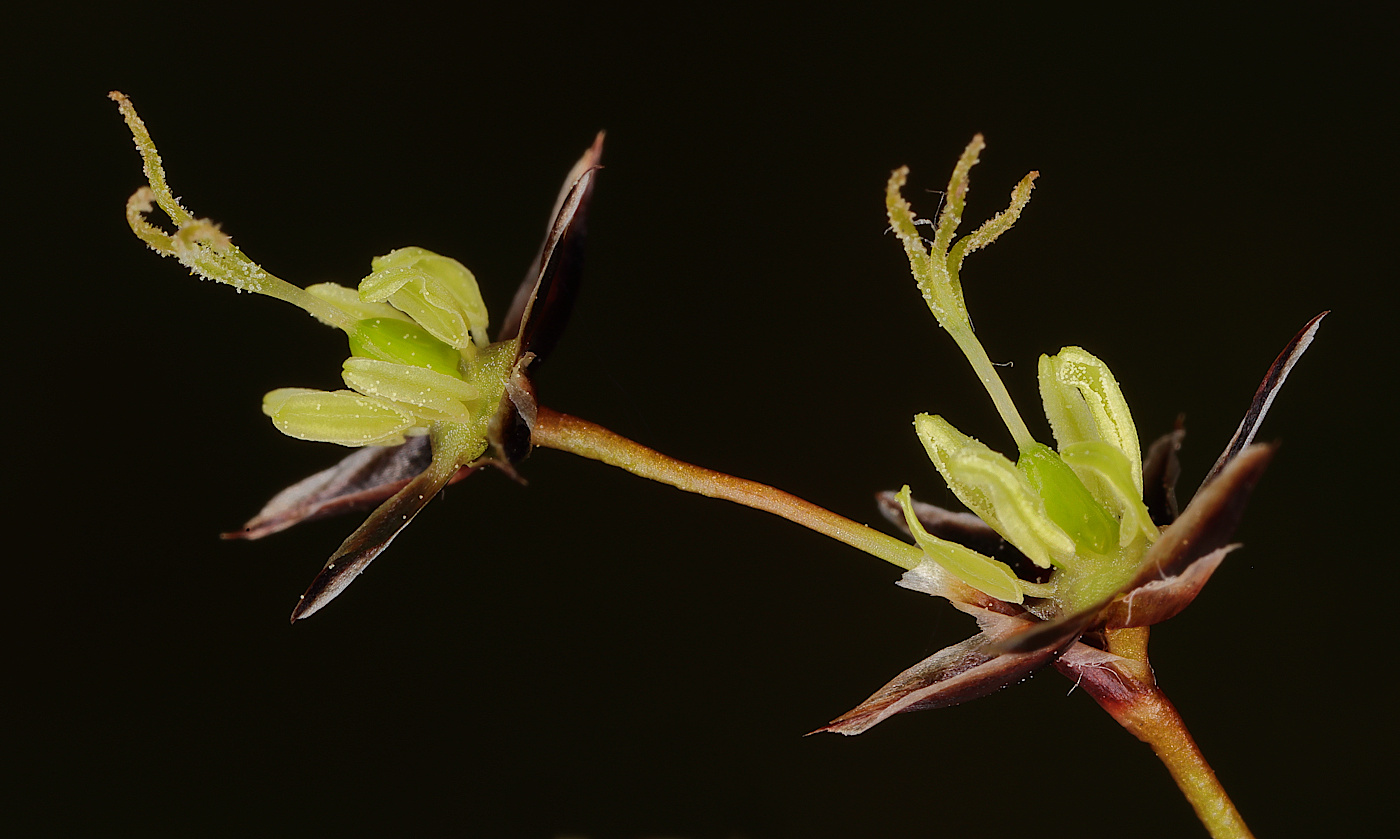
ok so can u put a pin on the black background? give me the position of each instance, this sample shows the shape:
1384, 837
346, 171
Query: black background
596, 656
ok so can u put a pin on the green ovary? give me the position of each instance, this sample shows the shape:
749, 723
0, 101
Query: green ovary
1067, 502
389, 339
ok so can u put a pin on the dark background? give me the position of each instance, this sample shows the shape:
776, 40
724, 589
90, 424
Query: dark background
596, 656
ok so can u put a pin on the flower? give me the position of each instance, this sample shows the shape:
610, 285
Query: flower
421, 366
1063, 546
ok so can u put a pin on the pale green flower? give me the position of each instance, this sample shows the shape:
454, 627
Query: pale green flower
1093, 568
1077, 511
420, 360
420, 365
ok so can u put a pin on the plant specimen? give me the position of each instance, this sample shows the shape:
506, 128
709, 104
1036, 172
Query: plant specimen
1068, 556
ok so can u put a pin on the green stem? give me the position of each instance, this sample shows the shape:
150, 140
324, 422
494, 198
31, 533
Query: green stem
571, 434
1131, 644
1155, 721
1141, 707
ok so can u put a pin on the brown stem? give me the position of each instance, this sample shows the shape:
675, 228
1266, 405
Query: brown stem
581, 437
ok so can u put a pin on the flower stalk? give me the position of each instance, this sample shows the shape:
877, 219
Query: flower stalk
571, 434
1127, 690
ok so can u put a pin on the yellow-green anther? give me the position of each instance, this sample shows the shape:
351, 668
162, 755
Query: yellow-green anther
425, 392
1067, 502
1107, 474
1084, 403
404, 342
348, 300
980, 572
343, 417
990, 485
436, 291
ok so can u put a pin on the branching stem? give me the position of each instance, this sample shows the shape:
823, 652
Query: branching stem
571, 434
